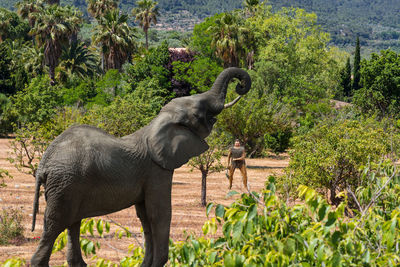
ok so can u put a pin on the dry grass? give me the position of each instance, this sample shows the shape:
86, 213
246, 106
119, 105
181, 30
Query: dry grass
187, 212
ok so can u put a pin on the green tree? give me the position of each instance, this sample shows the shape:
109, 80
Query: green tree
53, 29
250, 6
345, 79
30, 9
76, 59
116, 38
6, 84
199, 74
201, 39
207, 163
381, 84
356, 70
97, 8
146, 13
151, 66
296, 63
345, 146
228, 39
11, 26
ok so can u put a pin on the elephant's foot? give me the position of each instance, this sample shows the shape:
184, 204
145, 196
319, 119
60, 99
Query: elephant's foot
77, 263
38, 263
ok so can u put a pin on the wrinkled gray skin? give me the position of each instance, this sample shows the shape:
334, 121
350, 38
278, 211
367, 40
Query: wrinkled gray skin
87, 172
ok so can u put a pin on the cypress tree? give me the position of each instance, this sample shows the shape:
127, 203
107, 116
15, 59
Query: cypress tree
346, 79
356, 71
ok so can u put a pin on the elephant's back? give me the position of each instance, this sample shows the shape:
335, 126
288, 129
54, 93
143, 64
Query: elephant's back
77, 153
85, 163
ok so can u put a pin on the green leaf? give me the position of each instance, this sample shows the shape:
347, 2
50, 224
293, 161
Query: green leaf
99, 227
237, 231
220, 211
336, 259
209, 207
231, 193
366, 257
289, 247
331, 219
322, 212
336, 236
252, 212
212, 257
229, 260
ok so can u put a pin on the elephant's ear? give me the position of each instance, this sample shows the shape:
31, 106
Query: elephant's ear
171, 145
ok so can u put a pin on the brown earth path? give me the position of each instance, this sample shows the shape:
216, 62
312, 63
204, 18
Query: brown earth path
187, 212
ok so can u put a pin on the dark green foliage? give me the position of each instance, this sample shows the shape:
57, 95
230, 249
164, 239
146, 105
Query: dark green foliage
5, 103
11, 227
345, 77
152, 65
76, 59
380, 77
356, 69
198, 74
12, 27
6, 82
79, 92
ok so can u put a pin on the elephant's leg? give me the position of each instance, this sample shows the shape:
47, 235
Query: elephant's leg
74, 254
158, 208
141, 213
50, 232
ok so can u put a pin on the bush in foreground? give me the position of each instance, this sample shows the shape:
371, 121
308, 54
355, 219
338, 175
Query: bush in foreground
10, 225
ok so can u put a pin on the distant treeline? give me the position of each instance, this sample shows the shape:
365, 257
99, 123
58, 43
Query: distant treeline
376, 22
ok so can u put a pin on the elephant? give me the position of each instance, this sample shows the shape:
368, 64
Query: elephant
87, 172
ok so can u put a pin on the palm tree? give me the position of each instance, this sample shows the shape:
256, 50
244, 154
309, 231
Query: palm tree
146, 13
76, 59
251, 6
97, 8
228, 39
116, 39
30, 10
53, 28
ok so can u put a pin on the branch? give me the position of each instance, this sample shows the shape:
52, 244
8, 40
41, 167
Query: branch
127, 230
355, 198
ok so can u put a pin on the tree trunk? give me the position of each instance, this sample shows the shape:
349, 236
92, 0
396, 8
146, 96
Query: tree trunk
52, 75
147, 39
204, 174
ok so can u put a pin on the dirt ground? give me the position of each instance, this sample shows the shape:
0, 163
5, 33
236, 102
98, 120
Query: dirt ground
187, 213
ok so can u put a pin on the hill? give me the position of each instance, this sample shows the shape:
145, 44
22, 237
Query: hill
377, 22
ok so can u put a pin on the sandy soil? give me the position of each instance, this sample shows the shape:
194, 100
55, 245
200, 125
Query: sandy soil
187, 212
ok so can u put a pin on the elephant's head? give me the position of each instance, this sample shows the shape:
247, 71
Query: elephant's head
178, 132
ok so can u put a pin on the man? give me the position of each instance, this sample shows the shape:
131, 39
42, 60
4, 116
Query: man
236, 160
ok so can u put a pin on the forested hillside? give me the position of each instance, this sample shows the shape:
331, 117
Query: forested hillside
377, 22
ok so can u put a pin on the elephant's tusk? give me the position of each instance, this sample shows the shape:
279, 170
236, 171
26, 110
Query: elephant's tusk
230, 104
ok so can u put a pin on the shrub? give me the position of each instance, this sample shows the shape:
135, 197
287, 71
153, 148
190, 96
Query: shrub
4, 174
261, 230
36, 103
330, 156
10, 225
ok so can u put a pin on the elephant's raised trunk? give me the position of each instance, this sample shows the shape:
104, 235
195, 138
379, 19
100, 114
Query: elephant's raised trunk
218, 91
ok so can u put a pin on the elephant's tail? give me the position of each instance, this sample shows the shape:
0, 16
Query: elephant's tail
36, 200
